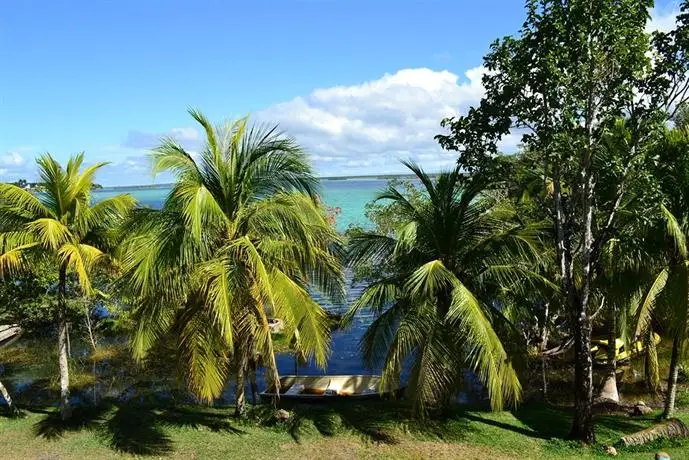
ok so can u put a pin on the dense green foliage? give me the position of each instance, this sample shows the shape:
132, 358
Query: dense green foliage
62, 228
580, 235
454, 252
240, 238
590, 91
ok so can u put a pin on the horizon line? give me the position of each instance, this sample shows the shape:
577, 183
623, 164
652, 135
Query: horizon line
333, 178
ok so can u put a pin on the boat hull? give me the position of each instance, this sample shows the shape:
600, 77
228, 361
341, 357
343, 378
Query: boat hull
9, 333
330, 388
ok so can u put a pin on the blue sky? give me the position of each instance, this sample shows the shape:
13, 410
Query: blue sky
361, 84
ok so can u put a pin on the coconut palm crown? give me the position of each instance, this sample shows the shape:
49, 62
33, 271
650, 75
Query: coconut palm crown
441, 275
241, 238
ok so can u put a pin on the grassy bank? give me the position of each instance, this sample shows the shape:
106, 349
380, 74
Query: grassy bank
374, 430
156, 421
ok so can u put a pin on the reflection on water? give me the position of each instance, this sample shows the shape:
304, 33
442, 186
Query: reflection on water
116, 377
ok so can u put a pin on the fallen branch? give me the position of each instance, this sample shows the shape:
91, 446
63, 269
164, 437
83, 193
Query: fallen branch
672, 428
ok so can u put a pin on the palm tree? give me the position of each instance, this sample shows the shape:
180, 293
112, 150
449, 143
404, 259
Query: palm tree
62, 225
627, 269
667, 300
441, 275
241, 237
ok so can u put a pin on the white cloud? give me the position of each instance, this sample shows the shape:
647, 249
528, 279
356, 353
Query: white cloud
367, 128
185, 134
663, 19
12, 159
14, 166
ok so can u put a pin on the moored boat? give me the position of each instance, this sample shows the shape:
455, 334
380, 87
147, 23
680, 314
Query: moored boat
9, 333
623, 352
329, 387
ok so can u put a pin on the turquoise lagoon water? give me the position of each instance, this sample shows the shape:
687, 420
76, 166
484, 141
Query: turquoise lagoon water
349, 195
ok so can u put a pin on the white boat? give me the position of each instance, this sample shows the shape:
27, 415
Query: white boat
9, 333
329, 387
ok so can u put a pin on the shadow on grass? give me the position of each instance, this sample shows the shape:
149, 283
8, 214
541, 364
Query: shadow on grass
131, 428
135, 430
15, 412
380, 422
372, 420
552, 422
544, 421
191, 417
83, 418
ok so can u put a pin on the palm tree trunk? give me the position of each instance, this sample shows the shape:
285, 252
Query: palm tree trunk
65, 408
252, 365
89, 328
240, 391
544, 344
609, 388
672, 379
8, 399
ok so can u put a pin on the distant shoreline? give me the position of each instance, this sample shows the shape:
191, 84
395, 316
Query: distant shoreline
327, 178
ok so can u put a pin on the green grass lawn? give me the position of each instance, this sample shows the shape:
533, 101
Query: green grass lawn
373, 430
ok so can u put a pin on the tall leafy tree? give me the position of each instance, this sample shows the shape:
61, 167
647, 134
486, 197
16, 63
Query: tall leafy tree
241, 237
439, 277
62, 225
576, 67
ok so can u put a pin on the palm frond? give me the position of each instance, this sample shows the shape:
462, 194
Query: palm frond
675, 231
50, 232
13, 246
22, 201
645, 309
429, 279
488, 356
80, 258
170, 156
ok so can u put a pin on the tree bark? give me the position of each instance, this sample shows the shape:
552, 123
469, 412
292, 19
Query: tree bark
672, 428
672, 379
8, 399
544, 344
582, 425
65, 407
89, 328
